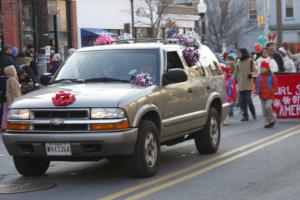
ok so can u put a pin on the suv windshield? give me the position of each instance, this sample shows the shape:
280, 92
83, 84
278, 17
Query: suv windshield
109, 66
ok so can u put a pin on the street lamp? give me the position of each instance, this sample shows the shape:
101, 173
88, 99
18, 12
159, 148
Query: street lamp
202, 7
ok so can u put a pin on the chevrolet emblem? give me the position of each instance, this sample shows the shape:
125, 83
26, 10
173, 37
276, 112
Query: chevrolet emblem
56, 122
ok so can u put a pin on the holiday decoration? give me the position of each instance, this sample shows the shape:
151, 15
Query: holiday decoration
140, 79
63, 99
104, 40
257, 48
262, 39
190, 53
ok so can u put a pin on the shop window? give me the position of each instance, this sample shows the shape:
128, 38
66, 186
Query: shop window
27, 22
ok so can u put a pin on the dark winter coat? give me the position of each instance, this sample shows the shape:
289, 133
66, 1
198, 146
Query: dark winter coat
279, 60
5, 60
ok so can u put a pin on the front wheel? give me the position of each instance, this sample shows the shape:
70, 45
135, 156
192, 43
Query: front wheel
31, 166
145, 159
208, 139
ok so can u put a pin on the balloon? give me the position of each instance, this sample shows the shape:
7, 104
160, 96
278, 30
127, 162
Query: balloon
257, 48
262, 39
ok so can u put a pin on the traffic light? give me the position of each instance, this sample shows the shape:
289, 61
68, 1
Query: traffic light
260, 20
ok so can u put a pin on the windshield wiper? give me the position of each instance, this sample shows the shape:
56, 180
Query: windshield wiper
106, 79
68, 80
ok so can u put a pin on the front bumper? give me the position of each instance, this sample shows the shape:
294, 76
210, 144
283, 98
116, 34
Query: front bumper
82, 144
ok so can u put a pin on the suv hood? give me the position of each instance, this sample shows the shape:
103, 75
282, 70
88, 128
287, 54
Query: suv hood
87, 95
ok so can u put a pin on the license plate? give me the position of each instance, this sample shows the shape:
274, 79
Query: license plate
58, 149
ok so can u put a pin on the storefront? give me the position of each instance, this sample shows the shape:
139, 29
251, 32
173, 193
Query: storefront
41, 23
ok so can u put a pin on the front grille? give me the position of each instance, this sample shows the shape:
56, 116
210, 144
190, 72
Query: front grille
62, 114
62, 127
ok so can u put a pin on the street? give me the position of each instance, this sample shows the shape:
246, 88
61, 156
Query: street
252, 163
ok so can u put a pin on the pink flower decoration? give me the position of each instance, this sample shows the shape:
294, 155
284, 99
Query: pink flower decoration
141, 79
104, 39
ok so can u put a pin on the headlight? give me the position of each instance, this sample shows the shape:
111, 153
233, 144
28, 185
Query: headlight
107, 113
15, 114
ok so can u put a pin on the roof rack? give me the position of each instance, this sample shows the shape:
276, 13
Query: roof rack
150, 40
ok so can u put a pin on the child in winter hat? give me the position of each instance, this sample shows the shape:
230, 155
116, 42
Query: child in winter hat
265, 87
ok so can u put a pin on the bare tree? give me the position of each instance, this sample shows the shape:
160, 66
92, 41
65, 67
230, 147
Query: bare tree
228, 22
152, 14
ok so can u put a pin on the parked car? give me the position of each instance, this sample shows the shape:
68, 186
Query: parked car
111, 115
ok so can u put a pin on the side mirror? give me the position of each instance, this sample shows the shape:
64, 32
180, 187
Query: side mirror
45, 79
174, 76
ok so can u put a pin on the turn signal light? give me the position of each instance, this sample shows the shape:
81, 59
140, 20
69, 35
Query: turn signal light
110, 126
17, 127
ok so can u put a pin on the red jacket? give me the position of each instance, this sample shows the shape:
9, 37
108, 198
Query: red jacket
266, 92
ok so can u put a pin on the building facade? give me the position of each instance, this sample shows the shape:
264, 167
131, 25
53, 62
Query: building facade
115, 17
39, 23
290, 21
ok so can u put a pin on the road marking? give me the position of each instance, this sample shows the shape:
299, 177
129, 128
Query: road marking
209, 168
195, 166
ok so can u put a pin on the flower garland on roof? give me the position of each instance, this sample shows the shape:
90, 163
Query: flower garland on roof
104, 40
190, 53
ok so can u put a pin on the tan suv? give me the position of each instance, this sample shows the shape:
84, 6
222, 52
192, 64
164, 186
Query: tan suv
111, 116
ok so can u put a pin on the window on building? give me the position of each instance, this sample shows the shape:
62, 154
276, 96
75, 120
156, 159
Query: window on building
252, 10
289, 8
184, 2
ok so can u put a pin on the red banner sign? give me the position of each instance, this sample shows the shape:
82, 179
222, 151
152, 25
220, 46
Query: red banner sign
286, 103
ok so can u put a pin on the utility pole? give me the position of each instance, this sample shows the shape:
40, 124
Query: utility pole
266, 16
132, 18
279, 22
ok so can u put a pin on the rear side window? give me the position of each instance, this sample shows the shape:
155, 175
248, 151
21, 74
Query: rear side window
173, 61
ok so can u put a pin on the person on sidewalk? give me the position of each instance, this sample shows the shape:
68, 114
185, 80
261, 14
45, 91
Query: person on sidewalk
5, 60
276, 56
265, 87
244, 74
231, 94
13, 91
265, 57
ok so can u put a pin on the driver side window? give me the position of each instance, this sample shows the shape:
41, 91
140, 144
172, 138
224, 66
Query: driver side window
173, 61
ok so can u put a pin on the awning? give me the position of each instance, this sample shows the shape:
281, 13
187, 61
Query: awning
95, 32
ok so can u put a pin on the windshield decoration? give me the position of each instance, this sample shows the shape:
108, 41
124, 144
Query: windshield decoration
104, 40
140, 79
190, 53
63, 98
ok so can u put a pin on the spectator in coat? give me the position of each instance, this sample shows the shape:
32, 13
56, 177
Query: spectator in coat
276, 56
6, 58
244, 74
56, 63
13, 91
289, 64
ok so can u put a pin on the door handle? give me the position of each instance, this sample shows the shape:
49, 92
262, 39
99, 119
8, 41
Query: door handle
190, 90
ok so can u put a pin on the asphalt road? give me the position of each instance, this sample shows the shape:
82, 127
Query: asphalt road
252, 163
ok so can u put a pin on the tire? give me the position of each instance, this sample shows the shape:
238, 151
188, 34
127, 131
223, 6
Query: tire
31, 166
208, 139
145, 160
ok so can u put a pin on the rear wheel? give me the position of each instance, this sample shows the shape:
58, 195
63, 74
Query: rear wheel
208, 139
145, 159
31, 166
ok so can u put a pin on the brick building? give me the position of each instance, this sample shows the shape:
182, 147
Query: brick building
40, 23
